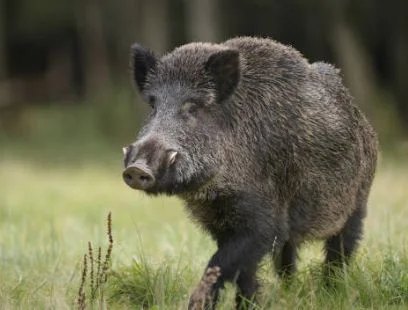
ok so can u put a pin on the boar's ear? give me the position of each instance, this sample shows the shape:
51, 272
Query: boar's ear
224, 69
142, 61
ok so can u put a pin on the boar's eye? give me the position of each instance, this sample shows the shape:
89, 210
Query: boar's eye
189, 107
151, 101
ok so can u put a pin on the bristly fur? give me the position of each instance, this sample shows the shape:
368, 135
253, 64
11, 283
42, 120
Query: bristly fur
273, 152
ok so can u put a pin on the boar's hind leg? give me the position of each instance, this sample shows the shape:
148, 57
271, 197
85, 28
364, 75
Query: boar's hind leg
285, 260
340, 247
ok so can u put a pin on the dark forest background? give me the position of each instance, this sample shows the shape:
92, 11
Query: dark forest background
71, 53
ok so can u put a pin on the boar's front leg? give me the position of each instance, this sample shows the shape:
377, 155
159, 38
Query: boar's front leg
235, 261
238, 255
238, 259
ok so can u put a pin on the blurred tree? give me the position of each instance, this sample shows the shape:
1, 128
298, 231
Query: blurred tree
400, 57
355, 62
41, 17
202, 20
93, 46
3, 62
2, 42
154, 25
122, 29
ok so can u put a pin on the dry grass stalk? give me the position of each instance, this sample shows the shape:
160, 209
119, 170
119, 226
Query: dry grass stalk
102, 270
106, 264
81, 292
99, 263
91, 273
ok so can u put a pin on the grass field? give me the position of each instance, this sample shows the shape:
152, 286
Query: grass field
50, 209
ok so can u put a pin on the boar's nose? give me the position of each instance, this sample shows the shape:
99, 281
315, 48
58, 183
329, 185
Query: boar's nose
138, 176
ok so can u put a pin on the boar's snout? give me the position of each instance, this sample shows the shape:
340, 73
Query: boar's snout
148, 162
138, 176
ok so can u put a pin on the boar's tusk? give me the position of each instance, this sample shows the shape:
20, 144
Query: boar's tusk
124, 150
172, 157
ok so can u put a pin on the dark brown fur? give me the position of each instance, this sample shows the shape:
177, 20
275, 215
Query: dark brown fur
274, 152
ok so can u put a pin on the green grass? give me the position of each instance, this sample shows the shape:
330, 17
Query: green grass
49, 213
55, 196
